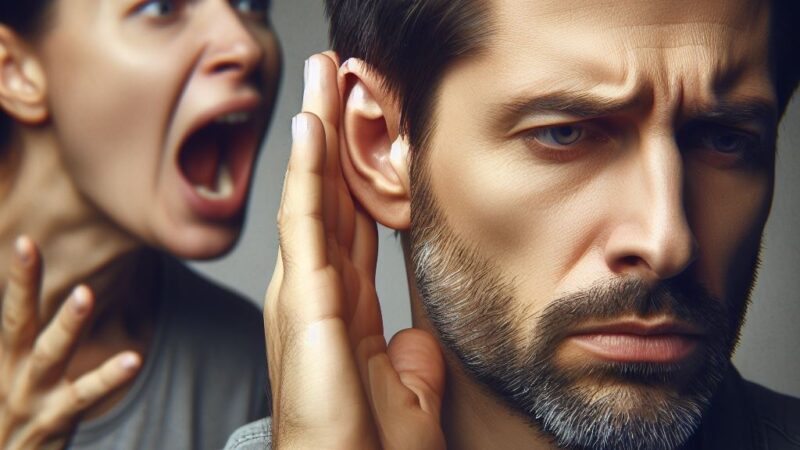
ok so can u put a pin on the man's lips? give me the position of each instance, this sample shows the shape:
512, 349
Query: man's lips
636, 341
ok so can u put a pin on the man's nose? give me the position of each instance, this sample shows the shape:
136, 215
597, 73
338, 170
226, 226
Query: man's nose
652, 236
230, 48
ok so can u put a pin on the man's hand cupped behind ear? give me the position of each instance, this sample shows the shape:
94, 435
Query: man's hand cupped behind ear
335, 383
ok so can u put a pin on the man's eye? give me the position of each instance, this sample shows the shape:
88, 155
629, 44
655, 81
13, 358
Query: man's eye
722, 145
157, 8
730, 142
559, 136
251, 7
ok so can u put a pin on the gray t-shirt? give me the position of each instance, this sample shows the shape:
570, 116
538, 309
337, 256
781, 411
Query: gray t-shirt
205, 374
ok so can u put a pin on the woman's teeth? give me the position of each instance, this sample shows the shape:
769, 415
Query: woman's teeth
224, 185
207, 151
234, 118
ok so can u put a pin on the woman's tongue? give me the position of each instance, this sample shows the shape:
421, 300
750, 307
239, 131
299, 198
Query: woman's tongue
204, 164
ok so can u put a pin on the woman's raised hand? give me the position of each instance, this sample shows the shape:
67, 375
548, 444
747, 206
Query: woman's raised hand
38, 404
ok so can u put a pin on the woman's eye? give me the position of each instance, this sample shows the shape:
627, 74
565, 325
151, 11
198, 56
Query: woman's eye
560, 136
157, 8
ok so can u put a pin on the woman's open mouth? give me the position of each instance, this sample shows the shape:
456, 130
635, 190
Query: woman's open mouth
216, 162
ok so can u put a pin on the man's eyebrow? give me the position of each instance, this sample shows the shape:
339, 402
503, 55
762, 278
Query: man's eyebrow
576, 104
584, 105
735, 112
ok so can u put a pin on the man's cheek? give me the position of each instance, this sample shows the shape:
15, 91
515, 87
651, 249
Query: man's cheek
500, 211
728, 229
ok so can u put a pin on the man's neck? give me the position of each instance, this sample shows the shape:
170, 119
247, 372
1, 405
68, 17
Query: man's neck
474, 420
471, 417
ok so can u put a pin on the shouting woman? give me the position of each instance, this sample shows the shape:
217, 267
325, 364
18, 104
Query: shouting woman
129, 131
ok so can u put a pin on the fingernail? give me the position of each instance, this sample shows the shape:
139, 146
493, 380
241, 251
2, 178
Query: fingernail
312, 76
129, 361
305, 72
299, 126
314, 73
80, 300
24, 249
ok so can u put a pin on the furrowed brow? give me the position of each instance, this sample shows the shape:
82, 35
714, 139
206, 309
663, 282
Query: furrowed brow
734, 112
576, 104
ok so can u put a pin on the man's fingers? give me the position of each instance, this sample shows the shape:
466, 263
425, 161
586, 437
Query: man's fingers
20, 301
365, 312
55, 344
301, 219
406, 398
366, 349
333, 57
418, 360
321, 92
346, 228
98, 383
272, 330
321, 97
364, 250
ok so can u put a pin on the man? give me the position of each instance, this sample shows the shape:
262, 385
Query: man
581, 189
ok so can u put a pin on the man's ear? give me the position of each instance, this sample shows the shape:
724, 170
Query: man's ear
22, 80
373, 154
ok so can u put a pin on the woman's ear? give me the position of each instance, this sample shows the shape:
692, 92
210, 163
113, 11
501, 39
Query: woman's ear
22, 80
374, 155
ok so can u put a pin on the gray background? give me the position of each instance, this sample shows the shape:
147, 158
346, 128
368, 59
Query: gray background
770, 348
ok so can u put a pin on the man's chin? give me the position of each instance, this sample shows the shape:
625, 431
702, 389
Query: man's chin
622, 405
628, 397
679, 377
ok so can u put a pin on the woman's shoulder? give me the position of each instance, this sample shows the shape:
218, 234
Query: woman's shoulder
186, 285
206, 308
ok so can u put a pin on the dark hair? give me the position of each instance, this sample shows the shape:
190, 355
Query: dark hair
411, 43
26, 18
784, 43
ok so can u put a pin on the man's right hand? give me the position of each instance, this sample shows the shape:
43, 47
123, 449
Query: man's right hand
335, 384
38, 404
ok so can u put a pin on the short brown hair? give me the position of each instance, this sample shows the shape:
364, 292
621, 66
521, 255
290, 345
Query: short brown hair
411, 43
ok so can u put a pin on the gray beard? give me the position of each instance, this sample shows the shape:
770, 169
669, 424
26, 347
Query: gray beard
588, 405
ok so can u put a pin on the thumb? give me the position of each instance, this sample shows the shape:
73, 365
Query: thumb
418, 361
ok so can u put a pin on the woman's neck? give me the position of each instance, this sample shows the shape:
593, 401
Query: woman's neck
79, 244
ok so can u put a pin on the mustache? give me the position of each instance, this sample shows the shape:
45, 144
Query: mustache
681, 298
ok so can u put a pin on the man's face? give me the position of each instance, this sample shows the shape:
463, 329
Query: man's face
598, 182
159, 108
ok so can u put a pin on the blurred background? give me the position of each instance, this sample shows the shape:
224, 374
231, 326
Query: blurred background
769, 352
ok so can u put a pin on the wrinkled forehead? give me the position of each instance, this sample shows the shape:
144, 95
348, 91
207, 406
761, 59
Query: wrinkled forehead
672, 48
